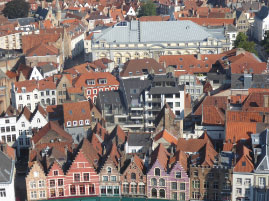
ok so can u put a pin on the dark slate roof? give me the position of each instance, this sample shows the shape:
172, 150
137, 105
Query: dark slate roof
139, 139
260, 81
23, 21
263, 13
132, 88
6, 168
110, 97
46, 68
41, 12
263, 159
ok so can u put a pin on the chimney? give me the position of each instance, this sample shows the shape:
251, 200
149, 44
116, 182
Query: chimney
43, 4
240, 51
198, 56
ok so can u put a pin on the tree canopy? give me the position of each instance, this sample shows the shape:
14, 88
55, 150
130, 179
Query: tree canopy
147, 9
16, 9
243, 42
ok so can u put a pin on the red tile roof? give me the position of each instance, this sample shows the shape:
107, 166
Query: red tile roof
51, 126
164, 134
154, 18
160, 154
181, 157
209, 21
42, 50
244, 162
190, 145
236, 131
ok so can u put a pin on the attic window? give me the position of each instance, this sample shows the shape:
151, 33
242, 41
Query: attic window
137, 72
244, 163
83, 111
102, 81
75, 123
160, 70
68, 123
90, 82
180, 59
181, 66
81, 122
70, 112
87, 121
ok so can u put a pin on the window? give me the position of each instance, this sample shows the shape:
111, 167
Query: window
216, 185
52, 92
60, 182
182, 196
32, 184
157, 172
91, 188
3, 129
28, 97
95, 91
133, 176
53, 101
8, 129
210, 175
247, 182
8, 138
90, 82
154, 182
86, 176
141, 189
216, 196
174, 185
105, 178
178, 175
195, 195
126, 188
13, 128
182, 186
154, 193
52, 183
134, 188
33, 194
103, 190
82, 190
20, 97
102, 81
75, 123
52, 193
88, 92
195, 173
239, 181
261, 181
41, 184
61, 192
73, 190
116, 190
22, 124
64, 85
109, 190
174, 196
113, 178
55, 173
162, 193
247, 192
206, 184
109, 170
36, 97
87, 122
47, 92
42, 194
81, 122
76, 177
69, 123
162, 182
196, 184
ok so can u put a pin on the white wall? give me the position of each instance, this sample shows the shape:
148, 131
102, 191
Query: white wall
243, 187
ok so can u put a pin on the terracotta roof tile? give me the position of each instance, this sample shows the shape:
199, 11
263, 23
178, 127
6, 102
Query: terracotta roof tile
154, 18
181, 157
191, 145
51, 126
209, 21
160, 154
244, 161
139, 162
42, 50
166, 136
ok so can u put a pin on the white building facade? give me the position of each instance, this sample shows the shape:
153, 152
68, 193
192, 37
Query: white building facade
242, 186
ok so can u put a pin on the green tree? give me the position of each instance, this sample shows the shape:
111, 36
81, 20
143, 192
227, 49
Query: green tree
147, 9
243, 42
265, 42
16, 9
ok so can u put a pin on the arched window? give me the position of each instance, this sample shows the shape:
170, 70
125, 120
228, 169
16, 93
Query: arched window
109, 170
154, 193
154, 182
162, 182
162, 193
48, 101
38, 120
133, 175
157, 172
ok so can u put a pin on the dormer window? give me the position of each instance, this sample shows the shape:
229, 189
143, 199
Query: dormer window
81, 122
87, 121
102, 81
23, 89
90, 82
75, 123
68, 123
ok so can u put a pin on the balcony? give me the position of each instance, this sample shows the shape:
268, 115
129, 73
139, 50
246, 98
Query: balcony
136, 115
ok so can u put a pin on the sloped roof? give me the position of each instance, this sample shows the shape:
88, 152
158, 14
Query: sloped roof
160, 154
42, 50
181, 157
26, 112
190, 145
117, 131
48, 127
164, 134
244, 161
6, 168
